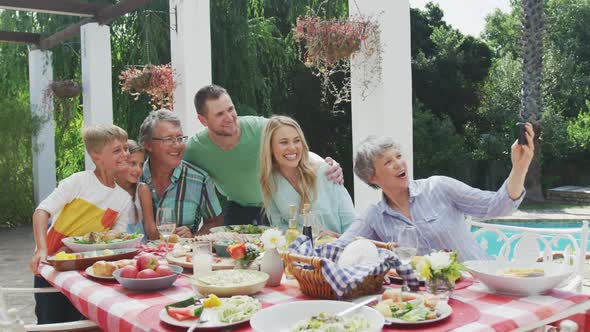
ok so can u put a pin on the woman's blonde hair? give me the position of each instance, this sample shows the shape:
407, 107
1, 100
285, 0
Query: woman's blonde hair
306, 174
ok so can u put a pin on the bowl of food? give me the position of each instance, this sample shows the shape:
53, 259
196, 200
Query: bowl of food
147, 274
240, 229
519, 278
102, 240
298, 316
230, 282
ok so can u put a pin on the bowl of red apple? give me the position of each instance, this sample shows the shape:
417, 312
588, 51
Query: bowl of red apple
147, 274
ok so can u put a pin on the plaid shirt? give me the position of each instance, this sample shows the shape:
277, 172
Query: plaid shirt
191, 194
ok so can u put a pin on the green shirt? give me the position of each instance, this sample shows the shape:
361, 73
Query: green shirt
235, 171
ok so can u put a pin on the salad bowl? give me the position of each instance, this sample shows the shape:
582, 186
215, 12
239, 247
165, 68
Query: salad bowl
76, 245
292, 313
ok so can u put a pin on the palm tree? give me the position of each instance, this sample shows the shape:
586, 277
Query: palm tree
532, 101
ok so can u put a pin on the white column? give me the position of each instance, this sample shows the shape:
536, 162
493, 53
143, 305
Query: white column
190, 46
40, 75
97, 82
387, 111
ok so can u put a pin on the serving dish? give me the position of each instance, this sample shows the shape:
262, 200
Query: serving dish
490, 274
79, 247
148, 284
83, 263
247, 282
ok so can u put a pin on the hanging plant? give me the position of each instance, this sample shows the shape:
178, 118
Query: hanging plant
62, 94
329, 46
155, 81
65, 89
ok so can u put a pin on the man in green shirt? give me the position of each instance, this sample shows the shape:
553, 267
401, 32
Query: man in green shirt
228, 150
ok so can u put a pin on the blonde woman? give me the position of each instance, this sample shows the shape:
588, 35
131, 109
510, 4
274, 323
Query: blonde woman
288, 177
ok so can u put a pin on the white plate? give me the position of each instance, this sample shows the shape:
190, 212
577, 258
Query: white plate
222, 264
444, 309
209, 314
90, 272
487, 273
283, 317
77, 247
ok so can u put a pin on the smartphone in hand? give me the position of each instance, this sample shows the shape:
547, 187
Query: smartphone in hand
521, 130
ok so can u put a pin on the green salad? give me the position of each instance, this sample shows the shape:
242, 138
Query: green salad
330, 323
106, 237
245, 229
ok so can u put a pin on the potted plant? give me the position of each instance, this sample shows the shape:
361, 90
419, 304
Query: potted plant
329, 45
155, 81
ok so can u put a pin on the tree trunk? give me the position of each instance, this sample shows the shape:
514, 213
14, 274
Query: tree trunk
532, 182
532, 101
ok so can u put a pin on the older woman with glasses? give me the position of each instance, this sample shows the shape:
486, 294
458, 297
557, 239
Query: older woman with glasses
434, 207
174, 183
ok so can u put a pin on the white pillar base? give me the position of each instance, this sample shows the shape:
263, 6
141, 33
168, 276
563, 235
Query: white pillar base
387, 111
190, 46
96, 77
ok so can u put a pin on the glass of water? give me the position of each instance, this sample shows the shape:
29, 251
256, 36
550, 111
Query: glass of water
165, 223
202, 258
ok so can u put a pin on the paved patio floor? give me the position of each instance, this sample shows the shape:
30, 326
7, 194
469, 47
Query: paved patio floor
16, 247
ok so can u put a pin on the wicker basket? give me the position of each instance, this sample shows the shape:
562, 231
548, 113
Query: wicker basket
312, 282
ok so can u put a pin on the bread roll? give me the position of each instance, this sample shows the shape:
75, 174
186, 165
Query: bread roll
102, 268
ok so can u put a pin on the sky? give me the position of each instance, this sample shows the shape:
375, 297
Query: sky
466, 15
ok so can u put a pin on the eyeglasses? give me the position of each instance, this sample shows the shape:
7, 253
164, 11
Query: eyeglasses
170, 140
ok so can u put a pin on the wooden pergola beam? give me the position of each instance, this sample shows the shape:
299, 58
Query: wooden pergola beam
103, 16
60, 7
20, 37
121, 8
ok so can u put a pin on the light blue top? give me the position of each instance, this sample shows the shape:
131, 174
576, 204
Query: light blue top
438, 206
333, 202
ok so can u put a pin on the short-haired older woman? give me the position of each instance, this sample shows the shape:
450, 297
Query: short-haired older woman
436, 206
174, 183
288, 177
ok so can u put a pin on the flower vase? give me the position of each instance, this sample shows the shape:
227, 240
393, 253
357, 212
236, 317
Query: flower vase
441, 287
272, 264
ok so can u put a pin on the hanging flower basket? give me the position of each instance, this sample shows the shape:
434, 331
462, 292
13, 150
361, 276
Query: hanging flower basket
155, 81
65, 89
328, 41
329, 45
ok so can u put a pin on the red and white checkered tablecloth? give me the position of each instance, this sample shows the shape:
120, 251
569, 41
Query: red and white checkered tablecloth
114, 308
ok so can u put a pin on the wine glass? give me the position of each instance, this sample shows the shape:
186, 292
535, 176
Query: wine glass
407, 240
165, 223
316, 220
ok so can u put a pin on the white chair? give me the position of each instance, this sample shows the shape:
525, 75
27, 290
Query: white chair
10, 322
526, 243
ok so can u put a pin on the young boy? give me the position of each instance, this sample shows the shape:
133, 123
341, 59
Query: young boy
84, 202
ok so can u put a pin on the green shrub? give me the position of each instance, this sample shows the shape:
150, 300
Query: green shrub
438, 149
16, 192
